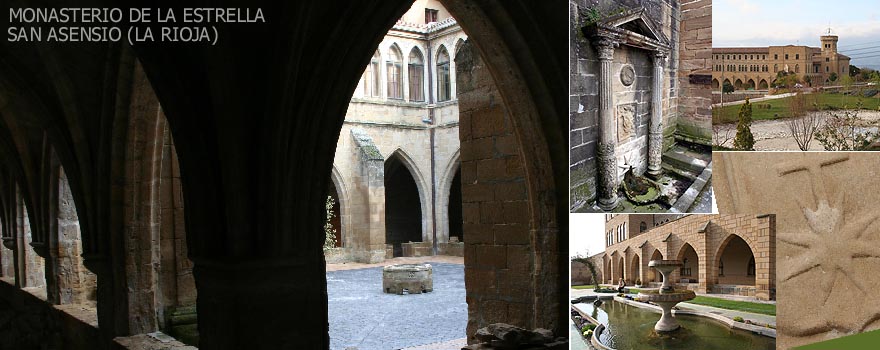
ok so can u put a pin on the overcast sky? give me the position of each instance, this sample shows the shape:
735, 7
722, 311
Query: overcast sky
738, 23
585, 232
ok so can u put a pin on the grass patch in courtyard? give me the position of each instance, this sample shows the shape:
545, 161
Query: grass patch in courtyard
778, 108
745, 306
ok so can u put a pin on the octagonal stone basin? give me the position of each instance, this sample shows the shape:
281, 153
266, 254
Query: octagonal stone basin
408, 279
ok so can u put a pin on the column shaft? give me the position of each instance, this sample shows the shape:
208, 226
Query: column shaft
607, 167
655, 133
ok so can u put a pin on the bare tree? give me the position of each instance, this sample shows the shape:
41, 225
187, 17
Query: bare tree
803, 129
722, 134
802, 123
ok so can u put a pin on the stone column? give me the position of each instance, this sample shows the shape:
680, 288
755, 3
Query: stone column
655, 132
607, 167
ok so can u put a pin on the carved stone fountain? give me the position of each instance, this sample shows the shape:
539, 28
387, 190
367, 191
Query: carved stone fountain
667, 296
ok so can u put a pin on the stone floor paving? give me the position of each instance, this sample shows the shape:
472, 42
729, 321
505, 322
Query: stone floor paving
362, 317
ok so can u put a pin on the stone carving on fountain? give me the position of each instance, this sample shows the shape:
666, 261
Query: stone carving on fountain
667, 296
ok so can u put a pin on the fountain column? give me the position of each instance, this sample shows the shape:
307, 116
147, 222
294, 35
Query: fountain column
655, 131
667, 296
607, 168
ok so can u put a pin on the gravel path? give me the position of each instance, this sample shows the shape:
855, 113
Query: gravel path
364, 318
774, 135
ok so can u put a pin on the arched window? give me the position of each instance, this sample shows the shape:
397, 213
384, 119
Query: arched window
371, 76
775, 68
643, 227
444, 88
393, 69
416, 76
797, 68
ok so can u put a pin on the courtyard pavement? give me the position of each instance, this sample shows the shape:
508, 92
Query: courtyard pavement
362, 317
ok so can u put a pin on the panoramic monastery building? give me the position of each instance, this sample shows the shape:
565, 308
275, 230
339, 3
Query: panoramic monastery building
145, 187
639, 95
722, 254
402, 123
755, 68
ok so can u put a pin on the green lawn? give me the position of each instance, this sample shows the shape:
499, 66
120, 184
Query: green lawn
590, 287
745, 306
779, 107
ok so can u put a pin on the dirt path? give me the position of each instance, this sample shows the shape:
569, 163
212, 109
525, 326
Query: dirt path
774, 135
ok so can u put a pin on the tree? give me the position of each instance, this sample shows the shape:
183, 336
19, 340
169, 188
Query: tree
744, 140
846, 132
727, 88
845, 81
329, 231
803, 123
589, 263
807, 79
833, 77
853, 70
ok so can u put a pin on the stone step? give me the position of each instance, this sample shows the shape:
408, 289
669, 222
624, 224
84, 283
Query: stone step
682, 158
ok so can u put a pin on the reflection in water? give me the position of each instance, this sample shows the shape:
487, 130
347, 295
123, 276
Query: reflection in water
632, 328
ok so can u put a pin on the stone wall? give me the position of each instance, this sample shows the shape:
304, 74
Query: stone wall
498, 250
695, 72
75, 284
632, 108
28, 322
707, 235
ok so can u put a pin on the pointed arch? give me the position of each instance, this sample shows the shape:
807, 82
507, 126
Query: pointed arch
458, 44
422, 189
416, 75
445, 192
734, 261
394, 72
750, 84
715, 83
690, 260
635, 269
372, 76
762, 85
444, 75
738, 84
652, 275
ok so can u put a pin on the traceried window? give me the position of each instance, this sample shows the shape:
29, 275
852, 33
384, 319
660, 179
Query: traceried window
371, 76
393, 67
444, 88
416, 76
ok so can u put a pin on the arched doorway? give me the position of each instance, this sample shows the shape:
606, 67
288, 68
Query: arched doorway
690, 269
736, 262
762, 85
403, 208
715, 84
651, 275
635, 268
750, 84
738, 84
607, 274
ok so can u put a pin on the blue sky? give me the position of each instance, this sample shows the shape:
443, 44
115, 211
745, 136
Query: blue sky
737, 23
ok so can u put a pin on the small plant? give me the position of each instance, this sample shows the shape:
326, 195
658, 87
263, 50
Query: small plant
329, 231
738, 319
639, 282
744, 140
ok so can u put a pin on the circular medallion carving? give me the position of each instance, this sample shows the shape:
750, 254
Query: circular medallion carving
627, 75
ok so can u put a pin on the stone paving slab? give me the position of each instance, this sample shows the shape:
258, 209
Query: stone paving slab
362, 317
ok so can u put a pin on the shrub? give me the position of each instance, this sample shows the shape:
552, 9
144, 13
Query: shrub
738, 319
869, 93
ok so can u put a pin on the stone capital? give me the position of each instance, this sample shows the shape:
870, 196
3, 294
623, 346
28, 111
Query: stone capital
605, 46
660, 56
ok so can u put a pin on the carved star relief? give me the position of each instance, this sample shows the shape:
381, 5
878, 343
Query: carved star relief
832, 245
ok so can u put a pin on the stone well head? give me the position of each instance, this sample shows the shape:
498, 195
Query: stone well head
408, 279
